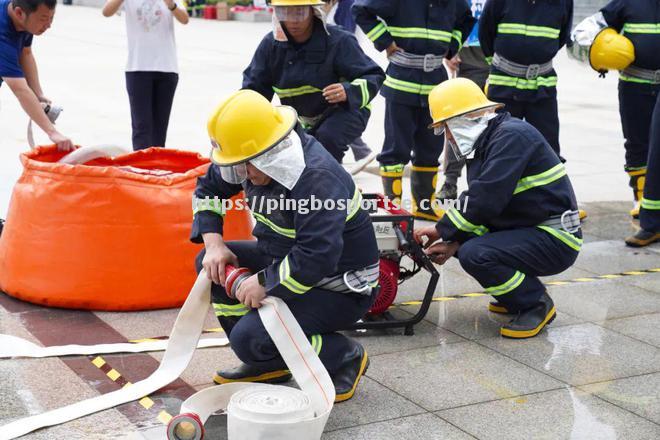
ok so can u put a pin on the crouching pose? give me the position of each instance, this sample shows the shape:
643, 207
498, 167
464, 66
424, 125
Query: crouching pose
520, 220
321, 260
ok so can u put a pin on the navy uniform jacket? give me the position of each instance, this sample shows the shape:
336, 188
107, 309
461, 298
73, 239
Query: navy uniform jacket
299, 72
306, 245
420, 27
515, 180
640, 22
525, 32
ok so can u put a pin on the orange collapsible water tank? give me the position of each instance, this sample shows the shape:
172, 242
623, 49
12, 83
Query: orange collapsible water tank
111, 234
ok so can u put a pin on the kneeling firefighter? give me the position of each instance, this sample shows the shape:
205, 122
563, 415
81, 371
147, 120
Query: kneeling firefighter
322, 262
318, 69
519, 217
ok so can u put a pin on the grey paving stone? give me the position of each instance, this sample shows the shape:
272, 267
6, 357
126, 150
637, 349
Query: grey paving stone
581, 354
422, 427
614, 256
456, 374
640, 395
561, 414
642, 327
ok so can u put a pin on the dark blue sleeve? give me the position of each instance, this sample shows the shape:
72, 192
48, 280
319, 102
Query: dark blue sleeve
258, 76
567, 26
10, 66
614, 13
371, 16
364, 76
462, 27
488, 22
208, 203
490, 192
319, 238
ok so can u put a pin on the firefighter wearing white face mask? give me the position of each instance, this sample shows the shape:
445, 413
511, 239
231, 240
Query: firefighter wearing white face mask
518, 218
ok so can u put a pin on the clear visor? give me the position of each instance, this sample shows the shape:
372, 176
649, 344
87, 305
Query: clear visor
294, 14
234, 174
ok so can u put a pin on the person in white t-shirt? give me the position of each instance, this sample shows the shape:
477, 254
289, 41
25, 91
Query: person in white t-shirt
152, 68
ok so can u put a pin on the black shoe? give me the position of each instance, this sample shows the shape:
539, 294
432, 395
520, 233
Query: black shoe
498, 307
528, 323
348, 376
248, 373
642, 238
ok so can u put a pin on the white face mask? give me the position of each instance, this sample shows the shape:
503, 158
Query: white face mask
465, 132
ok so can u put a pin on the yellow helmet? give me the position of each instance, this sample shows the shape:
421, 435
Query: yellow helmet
456, 97
611, 51
247, 125
296, 2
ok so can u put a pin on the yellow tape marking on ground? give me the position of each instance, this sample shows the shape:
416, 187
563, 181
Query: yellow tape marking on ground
584, 280
610, 277
473, 295
634, 272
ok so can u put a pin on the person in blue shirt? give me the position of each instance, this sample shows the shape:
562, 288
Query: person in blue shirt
520, 38
418, 36
20, 20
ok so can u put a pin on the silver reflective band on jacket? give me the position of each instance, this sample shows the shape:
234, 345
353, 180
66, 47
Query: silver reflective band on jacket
427, 63
584, 35
529, 72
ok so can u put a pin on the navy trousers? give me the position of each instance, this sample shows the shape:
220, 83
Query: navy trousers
649, 214
339, 129
408, 136
508, 263
150, 95
320, 314
542, 114
636, 109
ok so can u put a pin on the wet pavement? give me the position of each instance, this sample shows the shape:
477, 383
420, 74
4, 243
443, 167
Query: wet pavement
594, 374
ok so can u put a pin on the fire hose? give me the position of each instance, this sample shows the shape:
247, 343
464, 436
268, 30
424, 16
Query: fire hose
255, 411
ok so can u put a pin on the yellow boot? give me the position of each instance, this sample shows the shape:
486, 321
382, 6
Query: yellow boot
637, 180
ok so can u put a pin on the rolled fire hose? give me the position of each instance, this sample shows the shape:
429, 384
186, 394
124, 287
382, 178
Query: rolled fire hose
267, 412
85, 154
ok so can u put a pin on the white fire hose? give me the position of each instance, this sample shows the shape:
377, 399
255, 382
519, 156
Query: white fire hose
255, 411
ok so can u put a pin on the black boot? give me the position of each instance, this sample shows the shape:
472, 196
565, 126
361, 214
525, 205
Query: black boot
637, 180
347, 377
422, 184
392, 176
529, 322
249, 373
642, 238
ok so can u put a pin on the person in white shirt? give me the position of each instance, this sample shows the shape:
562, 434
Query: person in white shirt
152, 68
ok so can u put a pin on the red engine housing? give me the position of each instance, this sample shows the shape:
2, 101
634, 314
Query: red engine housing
389, 284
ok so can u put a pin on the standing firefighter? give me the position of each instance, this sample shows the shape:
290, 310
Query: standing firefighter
418, 37
521, 221
319, 70
639, 82
322, 260
520, 39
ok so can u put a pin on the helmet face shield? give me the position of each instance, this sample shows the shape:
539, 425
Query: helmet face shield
234, 174
294, 14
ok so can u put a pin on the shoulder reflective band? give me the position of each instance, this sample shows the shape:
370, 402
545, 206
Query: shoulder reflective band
462, 224
527, 30
362, 84
521, 83
545, 178
290, 93
422, 33
406, 86
180, 349
641, 28
652, 205
515, 281
261, 412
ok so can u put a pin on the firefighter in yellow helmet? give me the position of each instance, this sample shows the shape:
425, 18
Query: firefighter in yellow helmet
518, 218
624, 35
320, 257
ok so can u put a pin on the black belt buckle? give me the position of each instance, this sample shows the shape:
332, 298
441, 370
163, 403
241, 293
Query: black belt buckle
532, 71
